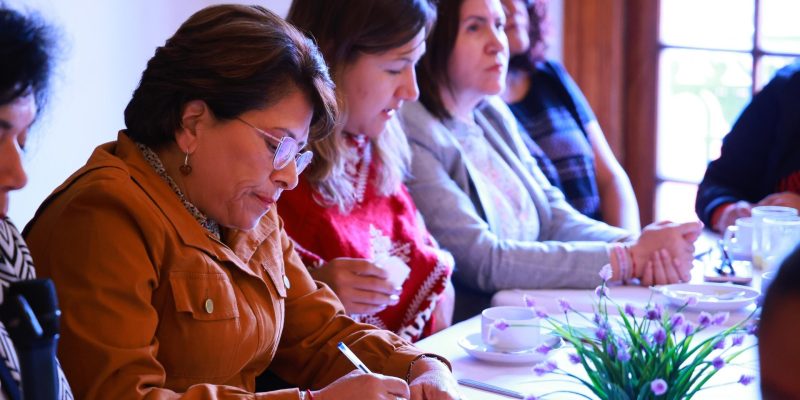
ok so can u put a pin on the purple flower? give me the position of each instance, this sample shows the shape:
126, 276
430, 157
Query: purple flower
718, 362
630, 310
623, 355
530, 397
544, 349
719, 344
704, 320
719, 318
500, 324
574, 358
737, 340
752, 329
541, 314
677, 320
597, 319
654, 313
564, 304
610, 349
688, 329
601, 333
529, 301
602, 291
746, 379
659, 387
545, 367
660, 336
691, 301
606, 273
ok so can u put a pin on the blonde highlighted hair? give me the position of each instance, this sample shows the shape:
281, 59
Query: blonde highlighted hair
391, 157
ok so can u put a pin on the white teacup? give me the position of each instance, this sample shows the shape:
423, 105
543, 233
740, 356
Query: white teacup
739, 237
395, 267
519, 329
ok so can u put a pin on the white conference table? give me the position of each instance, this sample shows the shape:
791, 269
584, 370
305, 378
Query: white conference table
521, 378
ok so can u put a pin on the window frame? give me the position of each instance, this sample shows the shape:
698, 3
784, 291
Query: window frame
612, 49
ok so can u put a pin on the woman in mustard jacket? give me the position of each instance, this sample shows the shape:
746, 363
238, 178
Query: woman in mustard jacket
175, 276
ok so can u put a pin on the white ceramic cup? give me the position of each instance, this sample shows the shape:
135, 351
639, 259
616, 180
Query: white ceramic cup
739, 237
759, 213
396, 269
521, 332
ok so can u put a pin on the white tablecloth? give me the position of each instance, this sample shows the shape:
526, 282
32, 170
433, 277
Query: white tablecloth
521, 378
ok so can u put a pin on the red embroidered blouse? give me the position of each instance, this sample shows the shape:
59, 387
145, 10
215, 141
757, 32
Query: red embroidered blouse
325, 233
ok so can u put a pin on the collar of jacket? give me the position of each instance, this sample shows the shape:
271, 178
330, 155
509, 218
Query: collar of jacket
238, 246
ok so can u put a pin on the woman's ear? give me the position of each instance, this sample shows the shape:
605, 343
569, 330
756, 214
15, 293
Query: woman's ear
194, 112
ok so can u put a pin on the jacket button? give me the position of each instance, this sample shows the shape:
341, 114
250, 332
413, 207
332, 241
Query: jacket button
209, 304
286, 282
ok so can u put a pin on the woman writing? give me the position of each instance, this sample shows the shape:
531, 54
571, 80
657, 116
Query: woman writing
482, 194
175, 276
351, 208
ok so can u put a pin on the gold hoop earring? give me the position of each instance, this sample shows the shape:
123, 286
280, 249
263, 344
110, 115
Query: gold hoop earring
186, 169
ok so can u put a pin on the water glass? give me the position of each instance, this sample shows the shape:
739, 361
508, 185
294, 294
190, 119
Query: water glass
759, 213
780, 235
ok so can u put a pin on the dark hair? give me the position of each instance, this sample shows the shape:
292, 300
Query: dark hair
344, 29
27, 46
432, 69
537, 12
234, 58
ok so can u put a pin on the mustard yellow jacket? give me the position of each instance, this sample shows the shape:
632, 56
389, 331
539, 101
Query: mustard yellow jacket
156, 308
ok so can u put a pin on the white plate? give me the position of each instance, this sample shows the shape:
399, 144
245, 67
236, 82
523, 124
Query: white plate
713, 296
473, 345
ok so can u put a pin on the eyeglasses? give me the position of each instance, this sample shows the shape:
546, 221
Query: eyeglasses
286, 150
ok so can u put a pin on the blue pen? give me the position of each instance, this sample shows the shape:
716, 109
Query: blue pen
353, 359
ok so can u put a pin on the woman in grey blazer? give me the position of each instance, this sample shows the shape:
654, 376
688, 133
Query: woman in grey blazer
481, 192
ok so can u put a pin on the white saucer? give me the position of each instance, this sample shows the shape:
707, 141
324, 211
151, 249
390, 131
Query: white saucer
679, 293
473, 345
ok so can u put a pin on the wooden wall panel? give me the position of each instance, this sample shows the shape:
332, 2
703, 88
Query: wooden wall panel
593, 55
611, 49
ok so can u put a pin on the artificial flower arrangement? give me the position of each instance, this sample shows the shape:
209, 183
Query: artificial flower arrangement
643, 354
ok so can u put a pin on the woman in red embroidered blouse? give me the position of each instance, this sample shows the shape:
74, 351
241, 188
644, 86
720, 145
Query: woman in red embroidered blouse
351, 216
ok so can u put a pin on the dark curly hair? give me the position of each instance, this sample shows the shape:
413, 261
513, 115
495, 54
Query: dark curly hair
27, 46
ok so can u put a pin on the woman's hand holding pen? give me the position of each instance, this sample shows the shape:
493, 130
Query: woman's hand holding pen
358, 385
361, 286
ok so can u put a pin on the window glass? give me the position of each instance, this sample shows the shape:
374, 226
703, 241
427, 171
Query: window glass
719, 24
779, 30
675, 201
700, 95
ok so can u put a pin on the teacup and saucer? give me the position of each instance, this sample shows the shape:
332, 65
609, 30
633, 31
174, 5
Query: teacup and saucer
508, 335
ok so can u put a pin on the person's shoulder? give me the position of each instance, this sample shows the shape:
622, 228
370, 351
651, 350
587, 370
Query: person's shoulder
498, 112
549, 68
787, 77
421, 126
413, 114
791, 71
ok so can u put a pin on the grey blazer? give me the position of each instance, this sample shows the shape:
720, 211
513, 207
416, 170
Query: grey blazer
570, 247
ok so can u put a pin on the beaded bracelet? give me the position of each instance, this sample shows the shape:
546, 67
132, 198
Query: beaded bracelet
411, 366
623, 262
